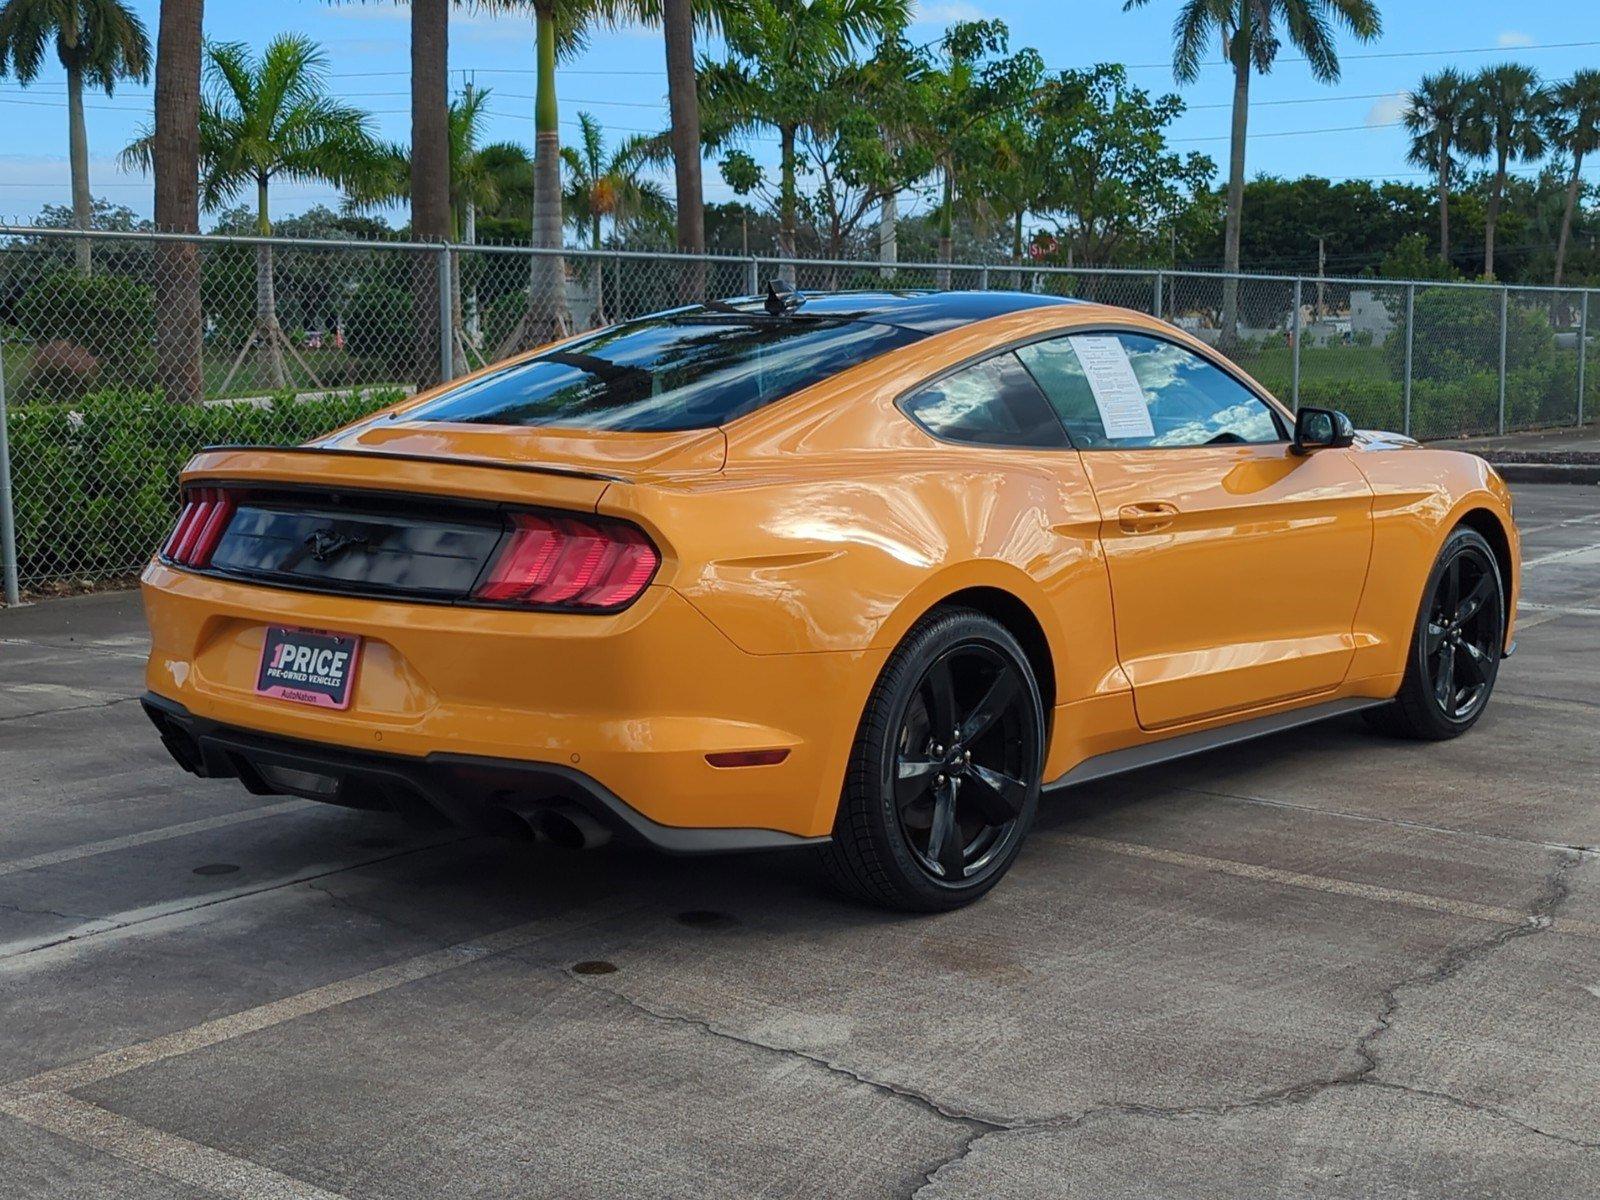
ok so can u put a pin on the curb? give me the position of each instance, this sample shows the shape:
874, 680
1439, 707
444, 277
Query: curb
1533, 472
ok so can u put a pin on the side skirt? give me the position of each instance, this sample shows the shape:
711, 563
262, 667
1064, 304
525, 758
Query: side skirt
1115, 762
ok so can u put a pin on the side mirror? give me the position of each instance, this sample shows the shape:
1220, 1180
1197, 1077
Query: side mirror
1321, 429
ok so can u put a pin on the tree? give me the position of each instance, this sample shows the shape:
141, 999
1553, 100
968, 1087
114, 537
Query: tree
430, 168
780, 52
1249, 30
1573, 126
608, 186
476, 178
1504, 121
175, 160
98, 42
602, 186
559, 27
840, 145
969, 83
270, 118
677, 19
1433, 117
1106, 170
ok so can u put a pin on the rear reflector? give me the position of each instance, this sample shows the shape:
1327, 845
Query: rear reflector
581, 563
747, 758
201, 523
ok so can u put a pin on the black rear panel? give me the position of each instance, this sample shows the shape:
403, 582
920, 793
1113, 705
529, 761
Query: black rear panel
410, 547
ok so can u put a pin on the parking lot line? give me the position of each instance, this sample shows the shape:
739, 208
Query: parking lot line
1338, 887
89, 849
156, 1150
43, 1100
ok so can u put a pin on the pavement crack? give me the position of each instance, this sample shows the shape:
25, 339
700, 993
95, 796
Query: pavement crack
979, 1124
1557, 887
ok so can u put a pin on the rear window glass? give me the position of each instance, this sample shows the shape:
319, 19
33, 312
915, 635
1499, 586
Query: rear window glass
690, 372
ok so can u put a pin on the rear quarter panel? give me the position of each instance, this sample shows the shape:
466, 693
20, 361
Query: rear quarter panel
837, 522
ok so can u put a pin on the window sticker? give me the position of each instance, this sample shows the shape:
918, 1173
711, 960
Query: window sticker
1116, 389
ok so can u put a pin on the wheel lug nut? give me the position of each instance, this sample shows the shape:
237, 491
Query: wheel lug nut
940, 779
938, 749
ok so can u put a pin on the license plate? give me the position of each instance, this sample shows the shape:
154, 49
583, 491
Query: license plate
307, 666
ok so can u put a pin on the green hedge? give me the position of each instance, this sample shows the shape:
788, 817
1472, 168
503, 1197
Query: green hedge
96, 481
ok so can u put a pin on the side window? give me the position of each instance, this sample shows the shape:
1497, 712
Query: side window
1190, 402
991, 403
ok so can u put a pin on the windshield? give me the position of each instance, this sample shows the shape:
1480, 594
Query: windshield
666, 373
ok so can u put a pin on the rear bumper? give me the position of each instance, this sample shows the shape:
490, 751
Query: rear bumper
468, 791
634, 701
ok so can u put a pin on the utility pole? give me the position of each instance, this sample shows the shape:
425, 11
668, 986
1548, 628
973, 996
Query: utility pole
1322, 270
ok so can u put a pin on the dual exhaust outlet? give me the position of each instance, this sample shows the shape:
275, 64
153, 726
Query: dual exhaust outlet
557, 822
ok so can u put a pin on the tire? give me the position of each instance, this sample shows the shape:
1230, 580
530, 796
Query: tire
928, 823
1472, 644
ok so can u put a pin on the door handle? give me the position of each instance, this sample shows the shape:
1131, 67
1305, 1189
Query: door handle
1150, 517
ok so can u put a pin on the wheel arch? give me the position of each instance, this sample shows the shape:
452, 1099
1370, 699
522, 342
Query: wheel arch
1487, 522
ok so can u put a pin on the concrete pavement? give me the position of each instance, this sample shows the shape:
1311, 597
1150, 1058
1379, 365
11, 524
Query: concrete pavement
1321, 964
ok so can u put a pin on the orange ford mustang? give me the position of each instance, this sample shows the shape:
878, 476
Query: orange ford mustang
867, 571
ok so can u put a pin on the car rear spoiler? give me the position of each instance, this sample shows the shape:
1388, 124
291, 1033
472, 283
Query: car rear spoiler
453, 476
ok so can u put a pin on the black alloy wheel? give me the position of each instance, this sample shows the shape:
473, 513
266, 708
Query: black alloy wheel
1456, 647
964, 748
1461, 638
945, 772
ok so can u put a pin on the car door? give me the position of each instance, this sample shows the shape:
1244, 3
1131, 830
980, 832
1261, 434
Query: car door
1236, 564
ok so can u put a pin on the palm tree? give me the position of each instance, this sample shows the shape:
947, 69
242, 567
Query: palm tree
1250, 34
98, 42
429, 167
1574, 126
1433, 118
478, 179
677, 19
265, 119
603, 186
781, 52
559, 29
1504, 120
175, 154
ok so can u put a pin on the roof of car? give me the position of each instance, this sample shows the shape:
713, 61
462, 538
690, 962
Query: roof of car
922, 311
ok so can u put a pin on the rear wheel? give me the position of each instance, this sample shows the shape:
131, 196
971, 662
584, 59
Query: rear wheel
1455, 648
944, 774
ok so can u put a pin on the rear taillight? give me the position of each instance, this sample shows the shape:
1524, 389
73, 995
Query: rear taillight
569, 562
201, 523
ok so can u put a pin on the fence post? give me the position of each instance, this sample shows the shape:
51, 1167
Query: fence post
1583, 350
1157, 306
1411, 324
983, 278
1295, 350
752, 277
8, 521
1505, 316
447, 319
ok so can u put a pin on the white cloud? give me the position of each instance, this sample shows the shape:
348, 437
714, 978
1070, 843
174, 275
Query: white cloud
1512, 38
1386, 110
945, 12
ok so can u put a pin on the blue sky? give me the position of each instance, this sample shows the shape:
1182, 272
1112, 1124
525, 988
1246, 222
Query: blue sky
1297, 125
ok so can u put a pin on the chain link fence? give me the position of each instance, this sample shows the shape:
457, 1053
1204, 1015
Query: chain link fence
110, 380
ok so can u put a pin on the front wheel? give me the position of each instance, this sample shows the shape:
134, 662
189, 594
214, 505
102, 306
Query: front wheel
1455, 648
944, 774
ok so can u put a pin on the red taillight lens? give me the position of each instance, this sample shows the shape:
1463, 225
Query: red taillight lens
201, 523
569, 562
